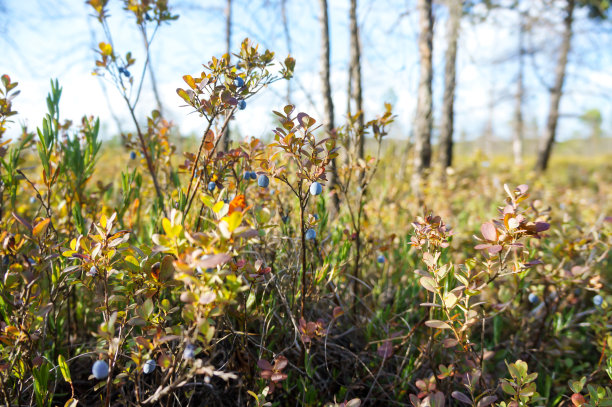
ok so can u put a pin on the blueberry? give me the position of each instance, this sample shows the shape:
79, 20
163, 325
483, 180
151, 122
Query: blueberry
253, 175
533, 298
149, 366
316, 216
100, 369
211, 186
311, 234
263, 181
239, 82
247, 175
315, 188
132, 155
598, 300
381, 259
242, 105
124, 71
93, 271
189, 352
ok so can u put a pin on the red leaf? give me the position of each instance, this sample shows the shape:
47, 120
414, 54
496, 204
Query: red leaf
385, 350
488, 231
264, 364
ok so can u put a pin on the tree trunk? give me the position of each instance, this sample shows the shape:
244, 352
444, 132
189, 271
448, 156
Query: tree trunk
447, 124
287, 42
517, 136
328, 103
355, 74
557, 91
228, 50
423, 119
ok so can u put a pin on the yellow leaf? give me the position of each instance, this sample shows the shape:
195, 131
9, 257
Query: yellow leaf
106, 49
218, 206
41, 227
189, 80
167, 227
233, 221
206, 200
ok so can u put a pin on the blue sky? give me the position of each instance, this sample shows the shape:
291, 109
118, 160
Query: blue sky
55, 39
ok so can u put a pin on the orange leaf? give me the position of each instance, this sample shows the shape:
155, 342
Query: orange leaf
237, 204
41, 227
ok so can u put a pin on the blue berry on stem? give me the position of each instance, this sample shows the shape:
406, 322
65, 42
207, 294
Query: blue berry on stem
242, 105
598, 300
211, 186
381, 259
311, 234
263, 181
533, 298
316, 188
189, 352
132, 155
239, 82
93, 271
100, 370
149, 366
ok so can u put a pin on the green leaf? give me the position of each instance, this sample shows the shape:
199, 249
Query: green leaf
434, 323
429, 284
61, 361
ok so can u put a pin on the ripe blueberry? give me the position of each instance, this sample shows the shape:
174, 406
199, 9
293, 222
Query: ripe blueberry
149, 366
93, 271
189, 352
211, 186
316, 188
263, 181
311, 234
381, 259
533, 298
239, 82
99, 369
598, 300
242, 105
132, 155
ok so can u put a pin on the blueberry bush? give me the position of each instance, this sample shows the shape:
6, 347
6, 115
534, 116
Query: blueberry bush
181, 281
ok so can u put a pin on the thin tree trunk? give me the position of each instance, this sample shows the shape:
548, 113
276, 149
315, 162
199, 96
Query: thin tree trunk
287, 42
447, 125
488, 134
517, 136
228, 49
423, 119
145, 41
355, 67
328, 103
557, 91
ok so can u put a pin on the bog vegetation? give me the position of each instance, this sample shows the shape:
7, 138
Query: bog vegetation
227, 276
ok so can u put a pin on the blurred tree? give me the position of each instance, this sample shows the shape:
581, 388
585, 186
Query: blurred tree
355, 92
228, 48
597, 10
447, 124
328, 103
287, 34
593, 120
517, 134
423, 119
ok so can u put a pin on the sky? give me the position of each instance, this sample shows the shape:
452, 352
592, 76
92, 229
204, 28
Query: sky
43, 39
